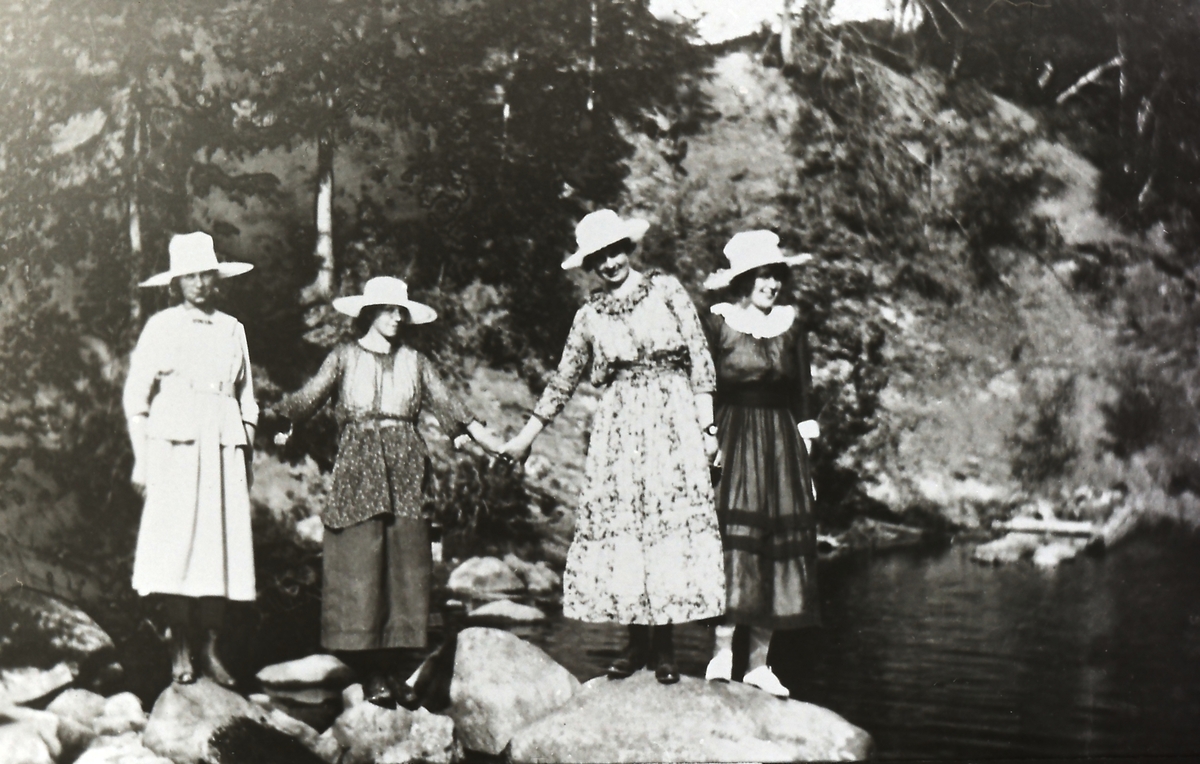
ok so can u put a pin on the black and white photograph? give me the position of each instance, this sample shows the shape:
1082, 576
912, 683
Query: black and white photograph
480, 381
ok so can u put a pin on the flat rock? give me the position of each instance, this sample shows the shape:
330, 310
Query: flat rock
185, 716
502, 683
638, 719
28, 683
507, 610
121, 749
484, 575
366, 732
312, 671
1009, 548
1051, 555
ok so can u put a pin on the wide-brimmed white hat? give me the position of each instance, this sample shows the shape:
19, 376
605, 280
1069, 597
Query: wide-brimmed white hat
749, 250
600, 229
385, 290
194, 253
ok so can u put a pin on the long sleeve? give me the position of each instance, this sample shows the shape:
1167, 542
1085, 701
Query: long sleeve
802, 408
304, 402
452, 414
246, 401
576, 356
703, 374
143, 371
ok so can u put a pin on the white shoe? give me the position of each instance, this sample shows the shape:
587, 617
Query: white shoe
764, 679
720, 668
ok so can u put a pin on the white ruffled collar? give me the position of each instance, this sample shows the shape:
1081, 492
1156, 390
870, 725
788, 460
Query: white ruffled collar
754, 322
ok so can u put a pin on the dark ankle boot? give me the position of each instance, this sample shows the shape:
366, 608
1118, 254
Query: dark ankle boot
664, 655
634, 657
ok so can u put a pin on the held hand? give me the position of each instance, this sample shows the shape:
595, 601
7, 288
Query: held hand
516, 449
809, 431
711, 447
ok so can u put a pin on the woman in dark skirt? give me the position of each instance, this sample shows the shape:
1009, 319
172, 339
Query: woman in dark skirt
377, 561
765, 496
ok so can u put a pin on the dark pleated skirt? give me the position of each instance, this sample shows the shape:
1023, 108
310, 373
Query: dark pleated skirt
376, 584
768, 527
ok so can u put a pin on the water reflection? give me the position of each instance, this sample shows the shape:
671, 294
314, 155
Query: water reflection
938, 657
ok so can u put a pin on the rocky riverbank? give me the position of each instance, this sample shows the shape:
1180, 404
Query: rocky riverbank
506, 698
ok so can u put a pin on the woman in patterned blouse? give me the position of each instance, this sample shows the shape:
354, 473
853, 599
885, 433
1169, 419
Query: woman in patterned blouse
647, 550
377, 560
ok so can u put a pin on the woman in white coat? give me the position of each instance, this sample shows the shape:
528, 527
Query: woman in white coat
189, 403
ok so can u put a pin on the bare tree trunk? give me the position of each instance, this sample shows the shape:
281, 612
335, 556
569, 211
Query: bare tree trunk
787, 33
136, 257
321, 289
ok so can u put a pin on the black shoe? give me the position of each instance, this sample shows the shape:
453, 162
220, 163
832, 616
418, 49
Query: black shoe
634, 657
666, 673
377, 691
664, 655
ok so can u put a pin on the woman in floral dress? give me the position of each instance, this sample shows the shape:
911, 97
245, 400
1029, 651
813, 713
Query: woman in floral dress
647, 550
765, 497
377, 559
189, 401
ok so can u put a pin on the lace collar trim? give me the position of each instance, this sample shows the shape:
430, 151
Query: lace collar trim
606, 302
754, 322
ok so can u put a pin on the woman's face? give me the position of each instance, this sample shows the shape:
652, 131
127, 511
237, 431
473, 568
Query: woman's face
613, 269
388, 320
765, 291
198, 289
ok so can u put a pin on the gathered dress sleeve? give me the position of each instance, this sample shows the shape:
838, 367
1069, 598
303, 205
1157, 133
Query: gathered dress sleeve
452, 414
802, 406
703, 374
245, 383
576, 356
304, 402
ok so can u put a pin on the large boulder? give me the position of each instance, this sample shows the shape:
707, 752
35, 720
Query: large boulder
537, 576
38, 630
368, 734
122, 713
80, 706
28, 683
28, 736
312, 671
502, 683
638, 719
484, 576
185, 716
121, 749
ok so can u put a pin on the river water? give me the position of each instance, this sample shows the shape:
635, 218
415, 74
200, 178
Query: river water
939, 657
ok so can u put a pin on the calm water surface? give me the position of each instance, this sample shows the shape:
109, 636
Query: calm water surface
939, 657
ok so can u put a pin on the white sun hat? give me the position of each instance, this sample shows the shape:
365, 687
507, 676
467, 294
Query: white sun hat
600, 229
194, 253
749, 250
385, 290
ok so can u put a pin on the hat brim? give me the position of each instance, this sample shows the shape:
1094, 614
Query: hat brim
224, 271
418, 313
633, 229
722, 279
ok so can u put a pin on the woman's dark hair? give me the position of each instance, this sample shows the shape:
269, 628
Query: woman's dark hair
743, 283
367, 316
622, 247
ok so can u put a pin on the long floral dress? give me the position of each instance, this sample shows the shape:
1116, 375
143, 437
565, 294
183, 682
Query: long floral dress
765, 499
189, 375
647, 548
376, 559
